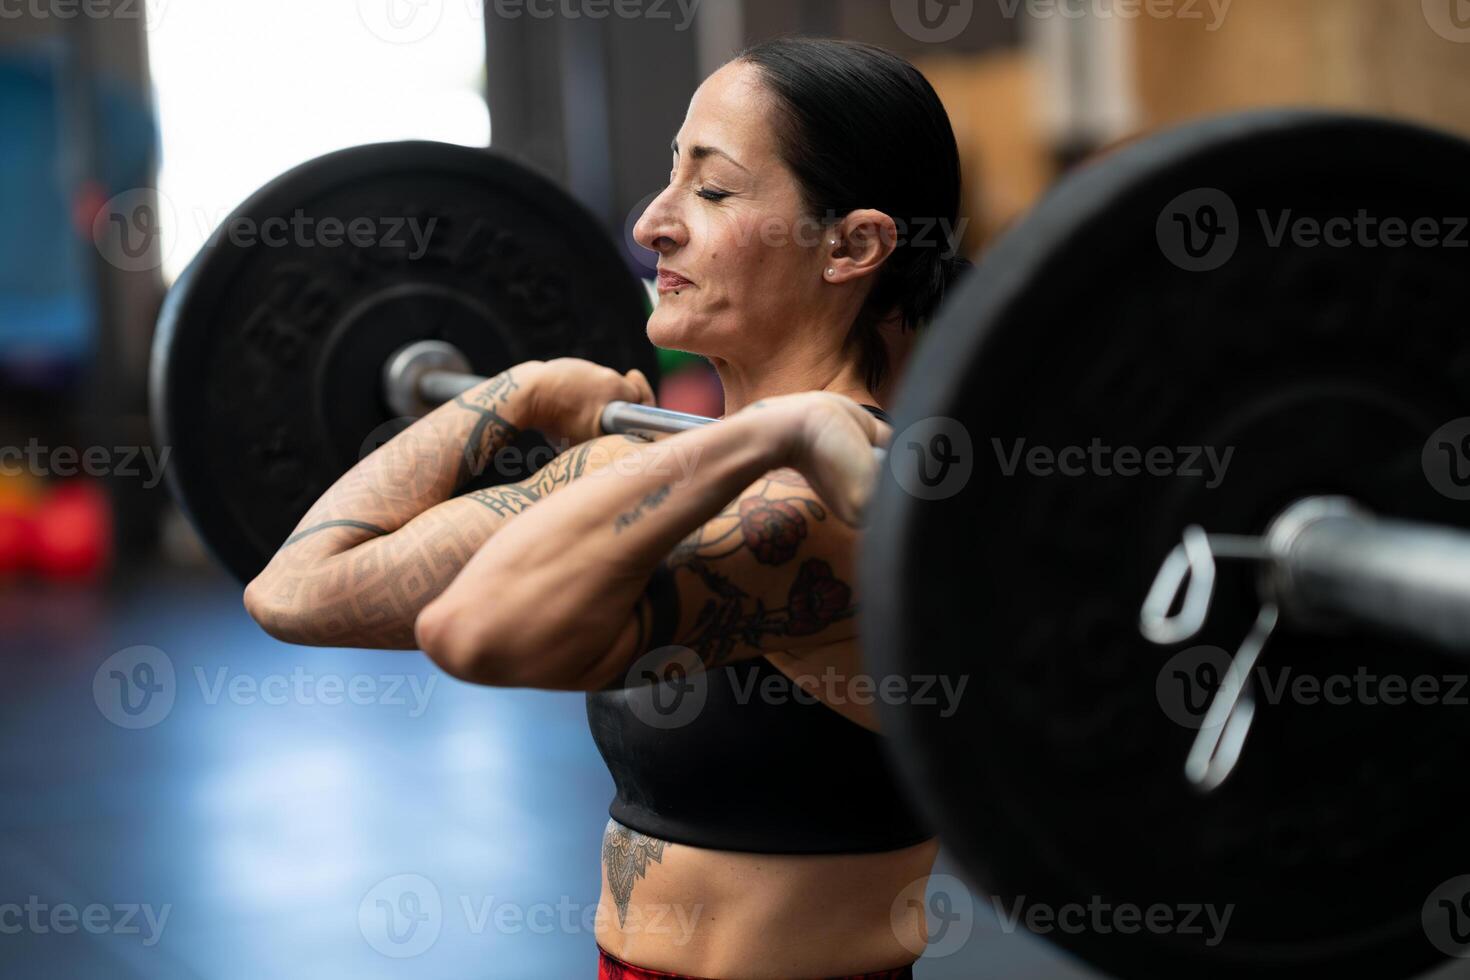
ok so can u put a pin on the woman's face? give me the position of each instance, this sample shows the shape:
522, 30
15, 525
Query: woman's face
738, 262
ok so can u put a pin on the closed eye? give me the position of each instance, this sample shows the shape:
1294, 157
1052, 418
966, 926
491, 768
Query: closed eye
712, 195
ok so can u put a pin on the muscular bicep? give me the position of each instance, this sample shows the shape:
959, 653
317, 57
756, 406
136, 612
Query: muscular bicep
773, 572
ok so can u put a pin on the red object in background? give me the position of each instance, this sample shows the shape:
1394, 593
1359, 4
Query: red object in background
89, 199
17, 542
19, 497
73, 533
696, 390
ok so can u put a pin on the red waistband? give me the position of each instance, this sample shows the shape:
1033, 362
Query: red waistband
609, 967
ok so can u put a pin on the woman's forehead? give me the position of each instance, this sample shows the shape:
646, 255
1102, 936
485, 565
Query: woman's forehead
728, 112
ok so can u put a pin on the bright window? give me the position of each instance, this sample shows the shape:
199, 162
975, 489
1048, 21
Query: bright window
248, 90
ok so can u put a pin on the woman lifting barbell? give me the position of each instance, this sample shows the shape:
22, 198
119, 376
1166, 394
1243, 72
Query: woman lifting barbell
762, 834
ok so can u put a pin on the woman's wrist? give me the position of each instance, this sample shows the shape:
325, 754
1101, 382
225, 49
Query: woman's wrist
521, 406
773, 434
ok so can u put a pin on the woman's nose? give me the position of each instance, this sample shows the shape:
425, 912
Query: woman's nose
659, 229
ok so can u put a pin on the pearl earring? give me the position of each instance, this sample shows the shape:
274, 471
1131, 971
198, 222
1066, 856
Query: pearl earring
831, 272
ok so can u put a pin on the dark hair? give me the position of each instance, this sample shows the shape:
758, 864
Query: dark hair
862, 128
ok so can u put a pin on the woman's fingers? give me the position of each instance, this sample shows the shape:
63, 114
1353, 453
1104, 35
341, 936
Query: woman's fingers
840, 463
644, 390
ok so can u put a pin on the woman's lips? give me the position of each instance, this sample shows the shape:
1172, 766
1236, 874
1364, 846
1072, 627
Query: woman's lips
669, 282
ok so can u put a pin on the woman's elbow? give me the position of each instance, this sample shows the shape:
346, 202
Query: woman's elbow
272, 612
463, 644
494, 647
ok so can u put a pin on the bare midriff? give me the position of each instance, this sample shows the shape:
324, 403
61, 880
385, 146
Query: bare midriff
719, 914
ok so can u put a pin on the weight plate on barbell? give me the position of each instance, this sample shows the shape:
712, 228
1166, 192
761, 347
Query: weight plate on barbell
268, 365
1179, 297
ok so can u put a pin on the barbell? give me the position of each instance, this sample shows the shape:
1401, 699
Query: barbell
429, 373
1154, 427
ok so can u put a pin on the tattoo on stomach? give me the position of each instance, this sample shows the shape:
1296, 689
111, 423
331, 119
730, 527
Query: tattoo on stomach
625, 856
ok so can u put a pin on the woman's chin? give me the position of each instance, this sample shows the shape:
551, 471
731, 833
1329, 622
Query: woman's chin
671, 332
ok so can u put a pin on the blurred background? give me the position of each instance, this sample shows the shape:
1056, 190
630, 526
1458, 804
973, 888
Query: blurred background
249, 828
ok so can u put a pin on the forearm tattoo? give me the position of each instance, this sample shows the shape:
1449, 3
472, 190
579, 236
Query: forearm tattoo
771, 524
492, 430
327, 526
649, 503
626, 855
362, 586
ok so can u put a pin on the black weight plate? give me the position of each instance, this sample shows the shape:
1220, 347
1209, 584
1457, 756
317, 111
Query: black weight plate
268, 361
1326, 369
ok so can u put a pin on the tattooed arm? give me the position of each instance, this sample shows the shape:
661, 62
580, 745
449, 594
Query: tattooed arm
771, 570
389, 536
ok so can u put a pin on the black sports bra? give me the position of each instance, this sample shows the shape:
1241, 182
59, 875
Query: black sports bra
750, 763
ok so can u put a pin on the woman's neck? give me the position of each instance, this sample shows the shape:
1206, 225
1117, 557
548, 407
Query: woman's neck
746, 384
809, 362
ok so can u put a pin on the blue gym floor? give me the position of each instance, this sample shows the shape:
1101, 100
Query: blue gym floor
263, 829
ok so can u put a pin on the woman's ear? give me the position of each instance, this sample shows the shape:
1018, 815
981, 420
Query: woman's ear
864, 241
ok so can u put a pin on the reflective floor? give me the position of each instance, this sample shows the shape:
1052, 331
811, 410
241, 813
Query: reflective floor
181, 796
